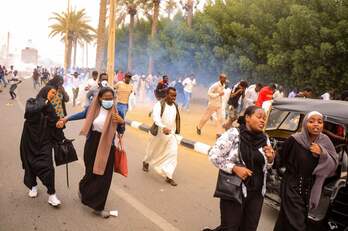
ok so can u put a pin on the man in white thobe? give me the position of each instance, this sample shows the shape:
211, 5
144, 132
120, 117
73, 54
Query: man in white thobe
215, 93
162, 151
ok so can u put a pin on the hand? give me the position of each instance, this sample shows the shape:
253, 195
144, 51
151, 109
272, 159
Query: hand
60, 124
315, 149
221, 93
166, 131
242, 172
116, 118
269, 152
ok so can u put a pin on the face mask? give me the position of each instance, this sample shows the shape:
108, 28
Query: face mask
107, 104
104, 83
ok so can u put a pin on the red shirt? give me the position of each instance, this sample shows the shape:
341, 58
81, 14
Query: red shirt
265, 94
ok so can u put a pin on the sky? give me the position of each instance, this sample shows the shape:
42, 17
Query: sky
29, 20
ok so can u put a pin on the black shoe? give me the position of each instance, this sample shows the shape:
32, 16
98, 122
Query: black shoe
199, 132
145, 166
171, 182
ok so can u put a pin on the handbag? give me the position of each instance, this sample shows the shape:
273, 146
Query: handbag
65, 153
121, 163
229, 186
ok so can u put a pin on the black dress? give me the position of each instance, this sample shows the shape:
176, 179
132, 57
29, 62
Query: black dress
296, 186
38, 137
94, 188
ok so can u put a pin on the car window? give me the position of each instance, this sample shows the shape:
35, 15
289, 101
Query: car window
291, 122
275, 118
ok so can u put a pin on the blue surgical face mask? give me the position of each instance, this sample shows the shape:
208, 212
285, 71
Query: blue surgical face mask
107, 104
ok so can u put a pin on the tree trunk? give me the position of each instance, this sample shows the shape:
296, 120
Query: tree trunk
75, 52
189, 13
68, 53
101, 35
156, 5
130, 42
83, 55
87, 55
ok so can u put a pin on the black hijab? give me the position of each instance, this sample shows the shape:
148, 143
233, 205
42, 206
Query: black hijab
57, 81
44, 92
250, 143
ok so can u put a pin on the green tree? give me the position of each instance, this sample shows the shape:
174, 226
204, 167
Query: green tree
76, 25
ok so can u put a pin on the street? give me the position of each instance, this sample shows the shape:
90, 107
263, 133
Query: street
144, 201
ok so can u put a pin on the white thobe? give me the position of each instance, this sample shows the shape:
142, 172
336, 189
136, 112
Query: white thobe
162, 151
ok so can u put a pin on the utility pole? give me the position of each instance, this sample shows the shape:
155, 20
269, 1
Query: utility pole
8, 46
66, 40
111, 42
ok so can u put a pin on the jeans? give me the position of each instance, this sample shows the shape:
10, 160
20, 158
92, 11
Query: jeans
122, 111
187, 99
2, 78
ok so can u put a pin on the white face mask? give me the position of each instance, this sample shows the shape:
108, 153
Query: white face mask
104, 83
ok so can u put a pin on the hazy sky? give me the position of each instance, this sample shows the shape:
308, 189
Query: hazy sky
26, 20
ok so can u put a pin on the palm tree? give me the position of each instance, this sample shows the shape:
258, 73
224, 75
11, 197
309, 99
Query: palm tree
101, 35
154, 25
169, 7
129, 7
76, 25
189, 6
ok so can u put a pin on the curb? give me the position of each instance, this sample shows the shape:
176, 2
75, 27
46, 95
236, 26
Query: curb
194, 145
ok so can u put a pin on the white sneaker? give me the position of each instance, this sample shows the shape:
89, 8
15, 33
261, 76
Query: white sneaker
33, 192
53, 200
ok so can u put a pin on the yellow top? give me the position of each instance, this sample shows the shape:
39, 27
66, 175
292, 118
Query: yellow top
123, 91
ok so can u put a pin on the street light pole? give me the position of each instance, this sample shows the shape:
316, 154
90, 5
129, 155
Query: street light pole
66, 40
111, 42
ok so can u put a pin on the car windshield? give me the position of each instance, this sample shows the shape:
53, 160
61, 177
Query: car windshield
283, 120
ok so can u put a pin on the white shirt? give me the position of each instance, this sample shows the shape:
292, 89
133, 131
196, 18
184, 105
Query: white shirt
277, 94
214, 94
250, 96
292, 94
75, 82
99, 122
168, 118
92, 83
325, 96
189, 84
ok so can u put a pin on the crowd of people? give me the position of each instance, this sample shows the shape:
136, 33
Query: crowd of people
242, 151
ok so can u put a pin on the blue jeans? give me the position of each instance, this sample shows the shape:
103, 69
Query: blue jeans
2, 78
187, 98
122, 109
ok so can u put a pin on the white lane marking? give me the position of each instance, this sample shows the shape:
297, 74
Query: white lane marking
202, 148
140, 207
148, 213
135, 124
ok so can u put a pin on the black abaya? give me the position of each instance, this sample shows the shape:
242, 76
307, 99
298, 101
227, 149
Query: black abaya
296, 186
38, 136
94, 189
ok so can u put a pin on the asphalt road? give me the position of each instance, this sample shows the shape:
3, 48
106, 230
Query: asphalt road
143, 200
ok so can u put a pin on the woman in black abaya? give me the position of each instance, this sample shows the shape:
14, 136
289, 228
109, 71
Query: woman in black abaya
39, 134
309, 157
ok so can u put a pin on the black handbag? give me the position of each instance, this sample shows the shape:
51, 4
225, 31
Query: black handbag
64, 152
229, 186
